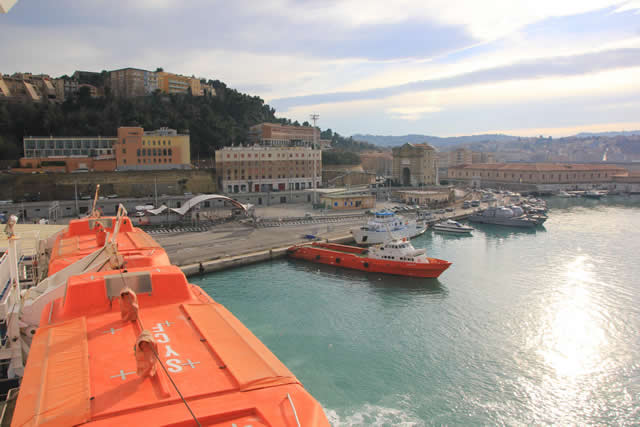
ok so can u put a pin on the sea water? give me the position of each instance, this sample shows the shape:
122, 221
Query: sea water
526, 327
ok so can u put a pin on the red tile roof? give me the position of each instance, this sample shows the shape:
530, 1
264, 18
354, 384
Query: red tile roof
541, 167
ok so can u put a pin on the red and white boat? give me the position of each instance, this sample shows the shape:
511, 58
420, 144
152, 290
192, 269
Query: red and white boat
397, 256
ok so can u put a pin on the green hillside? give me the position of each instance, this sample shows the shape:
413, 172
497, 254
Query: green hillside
212, 122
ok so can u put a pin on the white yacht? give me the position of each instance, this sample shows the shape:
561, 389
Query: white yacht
383, 224
451, 226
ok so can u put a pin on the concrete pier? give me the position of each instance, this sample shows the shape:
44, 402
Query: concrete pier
247, 258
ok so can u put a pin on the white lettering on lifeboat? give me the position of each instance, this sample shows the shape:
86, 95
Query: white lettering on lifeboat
174, 365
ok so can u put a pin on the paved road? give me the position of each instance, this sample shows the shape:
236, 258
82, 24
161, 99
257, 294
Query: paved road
234, 239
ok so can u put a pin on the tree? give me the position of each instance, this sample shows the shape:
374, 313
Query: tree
159, 70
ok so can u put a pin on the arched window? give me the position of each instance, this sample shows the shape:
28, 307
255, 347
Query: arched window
170, 151
164, 151
138, 151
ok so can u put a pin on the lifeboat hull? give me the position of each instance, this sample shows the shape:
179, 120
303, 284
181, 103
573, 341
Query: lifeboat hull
353, 257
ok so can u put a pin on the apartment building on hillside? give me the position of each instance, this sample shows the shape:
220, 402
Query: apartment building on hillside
275, 134
132, 149
129, 82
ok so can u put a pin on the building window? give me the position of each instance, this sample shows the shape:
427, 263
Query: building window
124, 151
138, 152
169, 151
164, 151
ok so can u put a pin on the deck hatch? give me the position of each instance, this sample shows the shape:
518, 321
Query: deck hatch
55, 390
139, 282
252, 365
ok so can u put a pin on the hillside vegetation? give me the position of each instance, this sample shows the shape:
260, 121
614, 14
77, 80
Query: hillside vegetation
212, 122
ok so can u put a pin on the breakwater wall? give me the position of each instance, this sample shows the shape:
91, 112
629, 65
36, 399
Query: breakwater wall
62, 186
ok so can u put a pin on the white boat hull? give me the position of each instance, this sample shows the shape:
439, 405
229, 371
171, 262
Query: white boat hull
371, 237
451, 230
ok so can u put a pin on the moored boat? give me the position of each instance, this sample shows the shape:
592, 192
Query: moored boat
123, 339
451, 226
565, 195
377, 229
397, 256
503, 216
594, 194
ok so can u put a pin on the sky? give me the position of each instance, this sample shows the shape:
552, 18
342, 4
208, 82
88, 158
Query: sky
433, 67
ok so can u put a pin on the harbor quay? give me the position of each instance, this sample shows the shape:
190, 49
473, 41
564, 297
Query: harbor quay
242, 243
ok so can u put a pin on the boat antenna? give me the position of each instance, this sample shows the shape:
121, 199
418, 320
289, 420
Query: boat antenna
94, 213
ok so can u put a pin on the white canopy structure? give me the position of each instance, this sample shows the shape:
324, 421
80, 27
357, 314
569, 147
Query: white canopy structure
191, 203
157, 211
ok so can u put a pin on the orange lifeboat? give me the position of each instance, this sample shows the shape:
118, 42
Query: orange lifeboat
141, 346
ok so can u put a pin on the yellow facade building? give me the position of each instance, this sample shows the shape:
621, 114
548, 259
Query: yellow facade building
175, 83
164, 148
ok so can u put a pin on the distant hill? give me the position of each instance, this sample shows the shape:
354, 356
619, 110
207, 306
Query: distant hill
388, 141
622, 133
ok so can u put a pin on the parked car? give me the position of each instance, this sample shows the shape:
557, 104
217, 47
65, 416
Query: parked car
449, 209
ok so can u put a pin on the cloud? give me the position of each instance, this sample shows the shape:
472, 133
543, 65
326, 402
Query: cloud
541, 67
363, 64
412, 113
633, 5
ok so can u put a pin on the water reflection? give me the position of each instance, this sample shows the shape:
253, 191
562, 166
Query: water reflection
572, 343
572, 336
386, 283
502, 231
450, 236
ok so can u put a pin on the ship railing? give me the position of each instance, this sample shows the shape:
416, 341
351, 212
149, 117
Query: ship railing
5, 279
36, 298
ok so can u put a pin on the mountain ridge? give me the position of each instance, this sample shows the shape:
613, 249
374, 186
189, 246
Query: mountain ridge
441, 142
